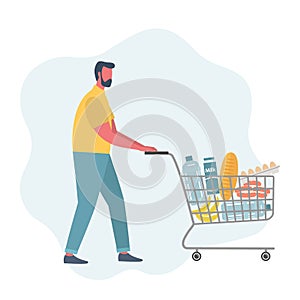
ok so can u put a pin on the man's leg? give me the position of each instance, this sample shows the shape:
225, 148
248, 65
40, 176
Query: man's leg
113, 196
88, 184
80, 222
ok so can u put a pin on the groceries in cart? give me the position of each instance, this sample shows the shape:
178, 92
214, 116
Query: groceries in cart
228, 197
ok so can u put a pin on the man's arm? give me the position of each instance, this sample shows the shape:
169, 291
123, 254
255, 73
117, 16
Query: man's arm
111, 135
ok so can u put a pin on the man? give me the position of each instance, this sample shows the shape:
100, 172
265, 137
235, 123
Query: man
94, 131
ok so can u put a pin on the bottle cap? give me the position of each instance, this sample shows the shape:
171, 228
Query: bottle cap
209, 158
189, 158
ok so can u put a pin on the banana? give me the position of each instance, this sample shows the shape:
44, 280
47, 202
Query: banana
211, 214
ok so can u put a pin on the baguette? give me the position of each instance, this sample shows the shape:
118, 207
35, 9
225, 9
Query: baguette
229, 168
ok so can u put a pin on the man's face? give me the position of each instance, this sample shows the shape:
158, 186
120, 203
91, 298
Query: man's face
106, 76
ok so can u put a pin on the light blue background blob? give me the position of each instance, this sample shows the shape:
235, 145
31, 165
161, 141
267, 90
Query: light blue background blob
50, 96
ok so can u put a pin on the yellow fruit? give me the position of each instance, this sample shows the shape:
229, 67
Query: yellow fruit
212, 214
229, 168
243, 173
265, 167
272, 164
205, 217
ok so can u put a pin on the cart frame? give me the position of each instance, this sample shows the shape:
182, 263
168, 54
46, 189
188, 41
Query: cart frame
265, 255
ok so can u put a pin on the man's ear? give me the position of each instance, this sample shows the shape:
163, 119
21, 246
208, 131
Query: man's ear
99, 75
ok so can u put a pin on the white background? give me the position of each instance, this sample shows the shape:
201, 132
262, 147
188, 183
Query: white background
257, 39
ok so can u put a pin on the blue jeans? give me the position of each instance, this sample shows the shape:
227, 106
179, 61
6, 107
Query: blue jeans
96, 174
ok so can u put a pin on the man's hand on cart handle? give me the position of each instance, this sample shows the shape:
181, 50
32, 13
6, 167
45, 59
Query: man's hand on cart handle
149, 149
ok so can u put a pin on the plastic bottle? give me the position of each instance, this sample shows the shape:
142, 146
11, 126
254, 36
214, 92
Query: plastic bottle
193, 185
210, 171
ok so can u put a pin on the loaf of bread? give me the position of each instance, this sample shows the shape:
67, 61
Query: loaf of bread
259, 170
229, 168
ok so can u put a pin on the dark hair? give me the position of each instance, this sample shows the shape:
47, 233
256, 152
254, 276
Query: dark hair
99, 66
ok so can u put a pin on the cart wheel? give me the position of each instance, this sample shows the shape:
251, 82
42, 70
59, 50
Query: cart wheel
196, 256
265, 256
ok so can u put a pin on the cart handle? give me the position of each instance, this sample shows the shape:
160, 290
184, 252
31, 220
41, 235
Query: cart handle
165, 153
156, 152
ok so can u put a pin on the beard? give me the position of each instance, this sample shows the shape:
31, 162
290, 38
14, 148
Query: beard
106, 83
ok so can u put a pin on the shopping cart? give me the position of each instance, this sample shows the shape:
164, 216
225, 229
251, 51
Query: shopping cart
251, 199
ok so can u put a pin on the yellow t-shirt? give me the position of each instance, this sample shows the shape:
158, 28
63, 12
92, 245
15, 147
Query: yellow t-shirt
93, 111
